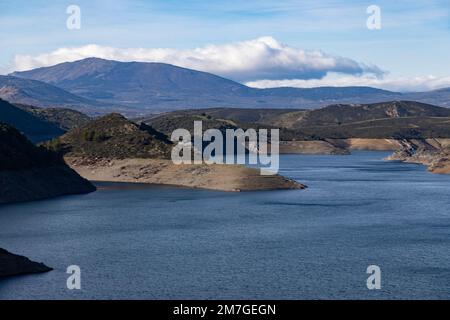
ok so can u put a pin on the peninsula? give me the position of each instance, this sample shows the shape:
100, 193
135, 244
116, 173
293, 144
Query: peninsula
112, 148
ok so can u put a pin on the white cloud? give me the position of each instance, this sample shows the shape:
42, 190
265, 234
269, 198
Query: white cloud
251, 61
388, 82
262, 58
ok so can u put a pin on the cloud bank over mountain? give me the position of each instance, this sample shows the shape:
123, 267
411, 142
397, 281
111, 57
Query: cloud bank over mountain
261, 63
261, 58
387, 82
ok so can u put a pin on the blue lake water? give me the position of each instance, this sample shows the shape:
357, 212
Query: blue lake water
170, 243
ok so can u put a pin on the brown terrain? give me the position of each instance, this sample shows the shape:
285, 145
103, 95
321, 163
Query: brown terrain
338, 146
160, 171
311, 147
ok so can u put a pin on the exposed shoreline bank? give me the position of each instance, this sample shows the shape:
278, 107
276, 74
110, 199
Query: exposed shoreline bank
232, 178
235, 178
432, 153
338, 146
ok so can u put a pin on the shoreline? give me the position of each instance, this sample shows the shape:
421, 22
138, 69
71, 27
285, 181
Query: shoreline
432, 153
230, 178
15, 265
428, 152
338, 146
440, 165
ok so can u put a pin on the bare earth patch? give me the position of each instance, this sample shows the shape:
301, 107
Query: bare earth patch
154, 171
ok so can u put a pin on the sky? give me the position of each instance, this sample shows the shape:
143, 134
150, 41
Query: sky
262, 43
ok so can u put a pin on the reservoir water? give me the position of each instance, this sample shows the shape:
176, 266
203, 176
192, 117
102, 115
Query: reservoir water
154, 242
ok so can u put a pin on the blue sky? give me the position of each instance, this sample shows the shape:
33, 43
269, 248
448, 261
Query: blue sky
413, 43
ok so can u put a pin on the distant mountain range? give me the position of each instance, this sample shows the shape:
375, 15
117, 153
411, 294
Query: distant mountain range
98, 86
42, 94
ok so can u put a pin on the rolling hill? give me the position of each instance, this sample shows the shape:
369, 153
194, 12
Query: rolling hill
114, 137
396, 119
28, 172
35, 128
65, 119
